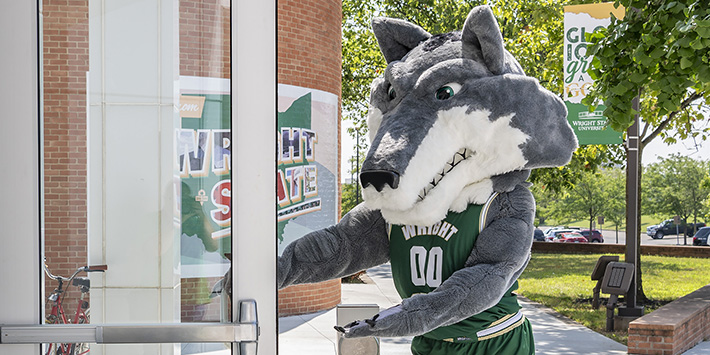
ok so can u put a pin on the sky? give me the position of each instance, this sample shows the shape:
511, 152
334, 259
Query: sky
657, 149
651, 153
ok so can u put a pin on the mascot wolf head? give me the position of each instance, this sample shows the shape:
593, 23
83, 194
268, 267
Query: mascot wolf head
454, 119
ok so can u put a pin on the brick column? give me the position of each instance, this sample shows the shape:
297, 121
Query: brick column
309, 55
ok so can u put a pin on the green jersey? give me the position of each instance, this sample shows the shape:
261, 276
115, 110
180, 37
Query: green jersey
424, 257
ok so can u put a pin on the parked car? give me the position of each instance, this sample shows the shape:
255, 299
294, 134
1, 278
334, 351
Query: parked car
701, 237
550, 236
551, 229
570, 237
539, 236
593, 236
667, 227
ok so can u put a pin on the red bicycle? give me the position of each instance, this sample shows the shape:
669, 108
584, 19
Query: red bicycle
59, 316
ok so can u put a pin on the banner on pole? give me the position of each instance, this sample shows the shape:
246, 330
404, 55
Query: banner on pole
590, 127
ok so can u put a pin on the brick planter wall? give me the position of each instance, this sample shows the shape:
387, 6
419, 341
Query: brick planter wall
309, 55
673, 328
309, 298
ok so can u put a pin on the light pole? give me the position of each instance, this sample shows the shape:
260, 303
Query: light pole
632, 215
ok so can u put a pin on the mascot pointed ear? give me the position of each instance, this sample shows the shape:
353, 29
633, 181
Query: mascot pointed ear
482, 40
397, 37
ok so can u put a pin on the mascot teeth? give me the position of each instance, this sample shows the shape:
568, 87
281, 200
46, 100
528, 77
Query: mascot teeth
460, 156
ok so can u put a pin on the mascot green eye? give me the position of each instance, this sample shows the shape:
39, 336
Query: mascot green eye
391, 93
447, 91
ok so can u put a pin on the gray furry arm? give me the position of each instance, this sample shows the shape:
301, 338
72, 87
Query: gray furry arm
359, 241
499, 256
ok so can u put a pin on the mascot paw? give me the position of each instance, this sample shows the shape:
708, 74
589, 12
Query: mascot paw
370, 327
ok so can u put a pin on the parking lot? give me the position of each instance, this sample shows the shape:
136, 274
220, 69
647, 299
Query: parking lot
610, 237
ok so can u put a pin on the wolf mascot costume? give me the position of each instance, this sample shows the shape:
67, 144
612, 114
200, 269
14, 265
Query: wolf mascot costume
455, 127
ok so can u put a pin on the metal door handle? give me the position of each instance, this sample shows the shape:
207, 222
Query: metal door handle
246, 331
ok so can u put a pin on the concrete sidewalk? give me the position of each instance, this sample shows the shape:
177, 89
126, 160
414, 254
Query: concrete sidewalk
314, 333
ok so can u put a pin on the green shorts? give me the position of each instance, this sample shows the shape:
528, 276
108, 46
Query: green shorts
518, 341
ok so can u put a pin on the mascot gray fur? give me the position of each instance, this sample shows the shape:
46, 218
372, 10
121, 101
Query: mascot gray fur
454, 124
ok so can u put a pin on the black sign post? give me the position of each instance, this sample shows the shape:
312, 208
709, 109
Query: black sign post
617, 279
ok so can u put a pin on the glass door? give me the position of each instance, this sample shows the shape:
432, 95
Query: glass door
155, 141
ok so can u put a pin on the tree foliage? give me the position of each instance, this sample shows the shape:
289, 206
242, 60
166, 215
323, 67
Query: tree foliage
348, 197
533, 33
595, 194
676, 186
544, 204
660, 50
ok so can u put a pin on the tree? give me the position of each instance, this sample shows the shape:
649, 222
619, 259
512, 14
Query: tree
585, 200
532, 31
706, 204
348, 197
594, 194
675, 187
615, 206
544, 203
659, 53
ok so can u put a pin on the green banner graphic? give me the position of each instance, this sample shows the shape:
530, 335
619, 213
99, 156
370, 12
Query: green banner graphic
307, 154
203, 152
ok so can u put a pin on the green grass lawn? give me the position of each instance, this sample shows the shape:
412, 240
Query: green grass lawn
563, 282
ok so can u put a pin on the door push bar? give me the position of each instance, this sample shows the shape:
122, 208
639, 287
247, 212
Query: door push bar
246, 332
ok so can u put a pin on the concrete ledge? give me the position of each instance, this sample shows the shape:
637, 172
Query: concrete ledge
603, 248
673, 328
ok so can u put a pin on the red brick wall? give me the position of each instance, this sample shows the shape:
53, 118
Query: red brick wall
66, 61
204, 38
309, 52
309, 55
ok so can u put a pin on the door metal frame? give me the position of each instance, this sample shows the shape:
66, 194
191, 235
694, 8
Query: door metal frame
254, 91
20, 141
254, 101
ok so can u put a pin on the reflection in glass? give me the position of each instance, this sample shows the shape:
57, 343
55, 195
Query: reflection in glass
137, 163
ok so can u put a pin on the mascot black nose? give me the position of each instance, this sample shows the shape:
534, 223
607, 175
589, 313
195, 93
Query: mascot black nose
378, 179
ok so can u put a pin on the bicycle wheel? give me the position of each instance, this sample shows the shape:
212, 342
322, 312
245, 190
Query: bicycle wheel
81, 348
52, 348
61, 349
